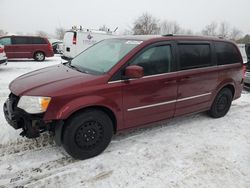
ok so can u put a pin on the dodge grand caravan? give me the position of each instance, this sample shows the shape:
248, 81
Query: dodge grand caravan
27, 47
124, 83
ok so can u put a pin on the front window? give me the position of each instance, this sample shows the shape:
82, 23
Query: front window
155, 60
101, 57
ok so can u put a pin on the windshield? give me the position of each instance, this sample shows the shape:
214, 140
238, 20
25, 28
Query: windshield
101, 57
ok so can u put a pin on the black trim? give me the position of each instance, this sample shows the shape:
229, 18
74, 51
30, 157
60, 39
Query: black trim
66, 58
3, 61
58, 132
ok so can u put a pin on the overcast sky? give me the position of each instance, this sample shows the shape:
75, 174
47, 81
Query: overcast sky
28, 16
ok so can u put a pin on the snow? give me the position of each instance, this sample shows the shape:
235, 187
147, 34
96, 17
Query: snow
190, 151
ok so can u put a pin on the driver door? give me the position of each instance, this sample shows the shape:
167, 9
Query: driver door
152, 97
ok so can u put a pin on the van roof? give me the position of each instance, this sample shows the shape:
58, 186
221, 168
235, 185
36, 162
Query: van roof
92, 31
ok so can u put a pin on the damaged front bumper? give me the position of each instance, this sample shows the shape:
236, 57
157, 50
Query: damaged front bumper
31, 124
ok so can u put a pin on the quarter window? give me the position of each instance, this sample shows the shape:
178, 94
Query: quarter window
37, 40
5, 41
226, 53
155, 60
194, 56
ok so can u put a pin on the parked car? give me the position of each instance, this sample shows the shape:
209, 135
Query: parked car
3, 58
247, 47
57, 47
247, 76
27, 47
77, 40
123, 83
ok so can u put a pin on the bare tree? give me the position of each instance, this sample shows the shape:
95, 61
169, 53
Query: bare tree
42, 33
224, 29
104, 28
146, 24
2, 32
210, 29
244, 40
235, 34
60, 33
170, 27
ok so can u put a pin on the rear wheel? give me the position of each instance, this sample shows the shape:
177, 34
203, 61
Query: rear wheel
221, 104
39, 56
87, 134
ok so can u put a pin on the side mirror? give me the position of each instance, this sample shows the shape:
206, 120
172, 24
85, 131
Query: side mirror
134, 71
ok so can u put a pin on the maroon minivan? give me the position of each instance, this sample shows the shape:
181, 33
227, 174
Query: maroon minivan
27, 47
125, 83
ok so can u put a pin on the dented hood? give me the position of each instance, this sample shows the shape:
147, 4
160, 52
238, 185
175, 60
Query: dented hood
49, 81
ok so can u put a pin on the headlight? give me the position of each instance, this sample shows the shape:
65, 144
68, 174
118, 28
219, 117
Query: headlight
34, 105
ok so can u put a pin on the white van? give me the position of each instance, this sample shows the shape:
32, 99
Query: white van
242, 48
77, 40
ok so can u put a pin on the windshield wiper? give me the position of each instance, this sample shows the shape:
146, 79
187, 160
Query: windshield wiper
68, 64
74, 67
77, 68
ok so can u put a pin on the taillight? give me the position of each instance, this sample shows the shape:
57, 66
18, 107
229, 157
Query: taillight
1, 50
50, 47
74, 38
244, 71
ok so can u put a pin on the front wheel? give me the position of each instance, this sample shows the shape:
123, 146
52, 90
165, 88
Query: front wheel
87, 134
39, 56
221, 104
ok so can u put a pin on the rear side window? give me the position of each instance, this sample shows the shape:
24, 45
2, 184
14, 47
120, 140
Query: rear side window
226, 53
5, 41
20, 40
38, 40
194, 56
155, 60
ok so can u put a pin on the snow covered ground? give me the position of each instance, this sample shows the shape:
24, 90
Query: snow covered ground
191, 151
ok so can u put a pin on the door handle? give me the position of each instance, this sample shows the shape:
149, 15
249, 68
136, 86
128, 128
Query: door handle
185, 78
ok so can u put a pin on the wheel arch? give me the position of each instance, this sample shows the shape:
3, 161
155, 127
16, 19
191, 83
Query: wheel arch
105, 109
60, 124
230, 85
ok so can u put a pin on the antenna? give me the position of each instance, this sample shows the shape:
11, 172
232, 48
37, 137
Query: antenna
115, 29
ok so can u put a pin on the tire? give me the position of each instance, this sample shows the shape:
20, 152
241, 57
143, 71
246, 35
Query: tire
221, 104
87, 134
39, 56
